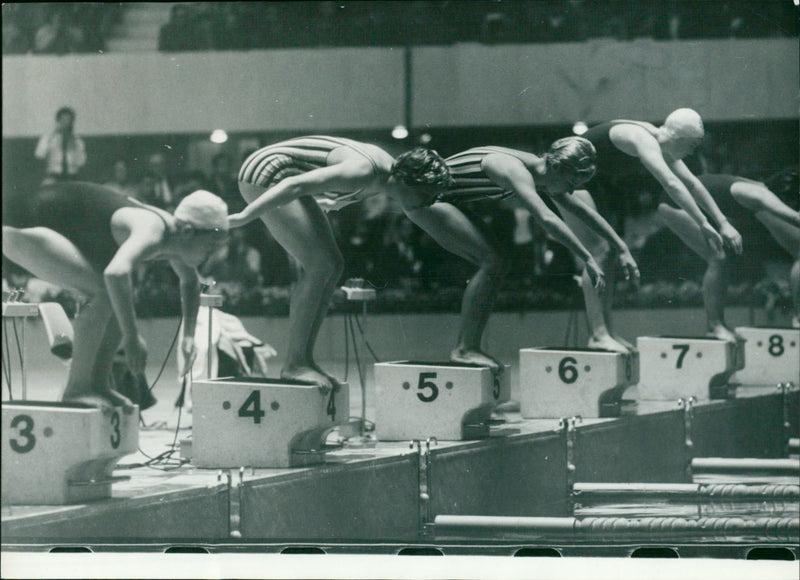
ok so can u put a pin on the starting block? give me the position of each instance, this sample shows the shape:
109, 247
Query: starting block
558, 382
260, 422
60, 453
446, 400
772, 355
674, 367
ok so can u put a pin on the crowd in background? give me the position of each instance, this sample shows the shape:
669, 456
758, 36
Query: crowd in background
67, 27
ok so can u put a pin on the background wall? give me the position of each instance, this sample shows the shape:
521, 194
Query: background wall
364, 88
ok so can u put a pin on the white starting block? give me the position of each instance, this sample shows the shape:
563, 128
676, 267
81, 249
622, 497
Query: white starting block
674, 367
259, 422
60, 453
560, 382
446, 400
772, 355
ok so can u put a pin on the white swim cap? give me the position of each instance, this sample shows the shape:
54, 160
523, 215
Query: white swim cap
685, 123
203, 210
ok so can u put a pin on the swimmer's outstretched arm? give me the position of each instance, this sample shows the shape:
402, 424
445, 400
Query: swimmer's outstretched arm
598, 223
346, 176
704, 199
757, 197
142, 241
647, 149
190, 303
515, 177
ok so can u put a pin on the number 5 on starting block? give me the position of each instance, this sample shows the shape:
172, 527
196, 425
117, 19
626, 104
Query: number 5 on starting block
772, 355
446, 400
559, 382
673, 367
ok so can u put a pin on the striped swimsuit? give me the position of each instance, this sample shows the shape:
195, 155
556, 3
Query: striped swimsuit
271, 164
471, 181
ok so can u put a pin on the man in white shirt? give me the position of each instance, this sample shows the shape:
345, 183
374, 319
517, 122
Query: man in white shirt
64, 152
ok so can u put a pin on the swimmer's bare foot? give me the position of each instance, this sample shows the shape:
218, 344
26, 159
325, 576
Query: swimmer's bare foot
308, 375
606, 342
477, 357
625, 343
337, 386
723, 333
106, 401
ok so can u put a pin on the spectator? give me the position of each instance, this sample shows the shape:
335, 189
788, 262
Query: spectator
14, 39
235, 264
120, 179
63, 151
163, 187
58, 35
177, 34
192, 181
223, 182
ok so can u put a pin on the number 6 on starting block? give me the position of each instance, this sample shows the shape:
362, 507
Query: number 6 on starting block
558, 382
447, 400
58, 453
673, 367
772, 355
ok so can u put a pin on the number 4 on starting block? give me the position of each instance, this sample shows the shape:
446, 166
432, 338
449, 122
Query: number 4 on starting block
59, 453
446, 400
559, 382
258, 422
674, 367
772, 355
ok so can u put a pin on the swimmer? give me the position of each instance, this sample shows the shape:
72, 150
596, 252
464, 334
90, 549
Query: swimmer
89, 238
627, 147
291, 185
496, 173
762, 218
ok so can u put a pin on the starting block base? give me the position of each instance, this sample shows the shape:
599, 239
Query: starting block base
261, 422
772, 355
446, 400
62, 453
559, 382
674, 367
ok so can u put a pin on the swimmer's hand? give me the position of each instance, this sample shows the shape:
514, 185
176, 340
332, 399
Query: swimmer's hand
136, 353
189, 352
596, 275
713, 239
629, 267
732, 238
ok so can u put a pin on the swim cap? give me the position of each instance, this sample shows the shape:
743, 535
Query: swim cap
204, 211
685, 123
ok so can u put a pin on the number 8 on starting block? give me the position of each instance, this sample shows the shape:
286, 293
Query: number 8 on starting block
446, 400
560, 382
772, 355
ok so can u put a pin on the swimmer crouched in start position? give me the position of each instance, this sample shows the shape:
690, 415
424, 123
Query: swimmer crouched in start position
88, 238
290, 185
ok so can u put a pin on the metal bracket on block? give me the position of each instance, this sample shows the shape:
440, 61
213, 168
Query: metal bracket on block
309, 447
785, 389
425, 462
567, 425
688, 413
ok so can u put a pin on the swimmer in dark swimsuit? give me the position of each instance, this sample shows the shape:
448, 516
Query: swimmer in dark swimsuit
290, 185
762, 218
89, 238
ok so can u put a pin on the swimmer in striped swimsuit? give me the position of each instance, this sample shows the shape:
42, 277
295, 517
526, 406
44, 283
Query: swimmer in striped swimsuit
89, 238
763, 219
498, 173
290, 185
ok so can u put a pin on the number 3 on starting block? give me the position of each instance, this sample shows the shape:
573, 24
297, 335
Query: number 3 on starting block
449, 401
772, 355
